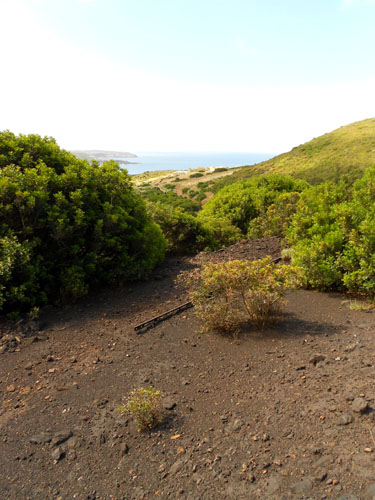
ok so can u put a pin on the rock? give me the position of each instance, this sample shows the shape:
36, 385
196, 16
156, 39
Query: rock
61, 437
359, 405
124, 449
3, 349
370, 492
73, 443
11, 388
177, 466
274, 483
29, 366
234, 426
58, 454
344, 419
42, 438
320, 476
317, 359
169, 403
349, 396
304, 486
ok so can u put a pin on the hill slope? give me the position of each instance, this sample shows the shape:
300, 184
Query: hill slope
346, 151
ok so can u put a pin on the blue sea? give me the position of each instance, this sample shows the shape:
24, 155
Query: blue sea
148, 162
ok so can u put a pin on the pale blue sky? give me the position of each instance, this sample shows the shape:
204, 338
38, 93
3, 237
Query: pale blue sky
186, 75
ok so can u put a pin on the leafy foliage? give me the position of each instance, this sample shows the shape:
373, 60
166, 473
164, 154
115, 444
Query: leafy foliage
243, 202
144, 405
72, 226
333, 235
226, 294
155, 195
184, 233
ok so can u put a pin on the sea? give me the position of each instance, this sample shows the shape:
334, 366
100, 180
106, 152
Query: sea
149, 162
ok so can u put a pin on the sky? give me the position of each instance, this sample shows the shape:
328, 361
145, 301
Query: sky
185, 75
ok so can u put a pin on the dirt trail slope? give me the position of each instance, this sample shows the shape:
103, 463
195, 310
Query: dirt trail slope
284, 414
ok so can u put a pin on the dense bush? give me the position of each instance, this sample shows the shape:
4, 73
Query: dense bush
226, 294
274, 219
67, 227
242, 202
333, 235
170, 198
184, 233
317, 235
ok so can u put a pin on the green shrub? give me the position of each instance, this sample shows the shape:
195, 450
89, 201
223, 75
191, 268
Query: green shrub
274, 219
144, 405
333, 236
226, 294
192, 176
73, 226
242, 202
184, 233
171, 198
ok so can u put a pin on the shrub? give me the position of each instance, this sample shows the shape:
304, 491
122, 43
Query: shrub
73, 226
184, 233
318, 235
274, 219
242, 202
192, 176
226, 294
170, 198
144, 405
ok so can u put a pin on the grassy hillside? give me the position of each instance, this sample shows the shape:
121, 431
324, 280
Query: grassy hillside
348, 151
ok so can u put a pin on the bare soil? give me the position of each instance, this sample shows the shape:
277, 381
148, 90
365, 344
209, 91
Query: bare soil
281, 414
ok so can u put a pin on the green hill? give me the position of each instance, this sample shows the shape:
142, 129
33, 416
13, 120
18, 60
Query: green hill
349, 150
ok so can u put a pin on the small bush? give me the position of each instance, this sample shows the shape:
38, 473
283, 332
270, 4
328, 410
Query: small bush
192, 176
144, 405
226, 294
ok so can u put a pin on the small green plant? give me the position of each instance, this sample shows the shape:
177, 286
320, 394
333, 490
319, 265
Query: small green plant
144, 405
359, 305
34, 313
227, 294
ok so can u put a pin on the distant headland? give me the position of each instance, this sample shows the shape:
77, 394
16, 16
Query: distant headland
102, 156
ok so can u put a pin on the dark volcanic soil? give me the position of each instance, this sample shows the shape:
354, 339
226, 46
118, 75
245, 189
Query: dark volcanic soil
283, 414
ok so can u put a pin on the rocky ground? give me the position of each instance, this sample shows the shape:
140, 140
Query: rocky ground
283, 414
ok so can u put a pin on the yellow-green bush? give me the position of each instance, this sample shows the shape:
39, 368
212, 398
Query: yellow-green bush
229, 293
144, 405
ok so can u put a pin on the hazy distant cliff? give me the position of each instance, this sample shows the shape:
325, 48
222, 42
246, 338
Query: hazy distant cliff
101, 156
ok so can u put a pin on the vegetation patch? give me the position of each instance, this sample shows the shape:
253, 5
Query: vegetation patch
144, 405
67, 225
227, 294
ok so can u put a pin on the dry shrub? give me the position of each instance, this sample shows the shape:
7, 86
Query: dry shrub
226, 294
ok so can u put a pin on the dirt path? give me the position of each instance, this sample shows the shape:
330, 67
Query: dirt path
284, 414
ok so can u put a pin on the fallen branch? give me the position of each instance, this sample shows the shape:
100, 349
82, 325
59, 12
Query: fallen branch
161, 317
